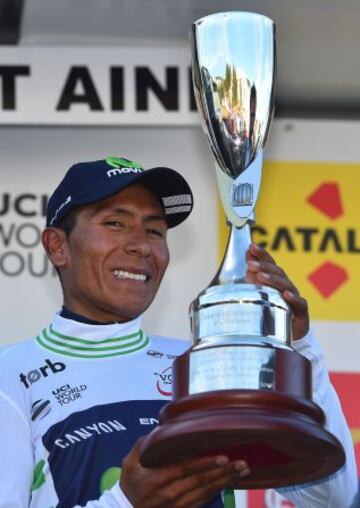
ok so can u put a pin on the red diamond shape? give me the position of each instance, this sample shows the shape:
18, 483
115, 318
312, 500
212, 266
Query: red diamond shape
328, 278
327, 199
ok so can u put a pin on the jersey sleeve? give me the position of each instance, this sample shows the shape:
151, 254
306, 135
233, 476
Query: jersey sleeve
112, 498
340, 488
16, 456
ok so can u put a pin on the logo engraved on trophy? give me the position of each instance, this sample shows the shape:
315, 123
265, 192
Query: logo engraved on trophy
241, 390
242, 194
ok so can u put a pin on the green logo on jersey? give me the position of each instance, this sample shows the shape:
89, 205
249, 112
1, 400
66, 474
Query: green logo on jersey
109, 478
39, 477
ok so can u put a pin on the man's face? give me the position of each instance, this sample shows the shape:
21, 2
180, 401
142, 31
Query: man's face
116, 256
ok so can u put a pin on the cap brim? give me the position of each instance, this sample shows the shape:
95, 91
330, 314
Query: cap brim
168, 185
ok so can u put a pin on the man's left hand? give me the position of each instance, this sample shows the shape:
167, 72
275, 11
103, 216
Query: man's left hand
262, 269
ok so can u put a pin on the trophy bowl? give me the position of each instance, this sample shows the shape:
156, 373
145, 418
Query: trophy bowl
241, 390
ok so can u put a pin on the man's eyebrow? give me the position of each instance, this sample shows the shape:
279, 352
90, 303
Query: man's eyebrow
155, 217
128, 213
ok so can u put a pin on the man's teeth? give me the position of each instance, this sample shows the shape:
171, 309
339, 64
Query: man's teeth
123, 274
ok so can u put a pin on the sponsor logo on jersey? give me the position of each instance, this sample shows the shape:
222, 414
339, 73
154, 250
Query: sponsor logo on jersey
158, 354
40, 409
154, 354
86, 443
148, 421
66, 393
172, 357
164, 382
89, 431
33, 376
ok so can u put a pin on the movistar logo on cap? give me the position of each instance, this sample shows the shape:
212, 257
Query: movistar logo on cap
121, 166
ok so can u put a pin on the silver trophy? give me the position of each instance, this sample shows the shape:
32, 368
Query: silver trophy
234, 75
241, 390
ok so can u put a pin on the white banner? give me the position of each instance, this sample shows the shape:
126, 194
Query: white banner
96, 86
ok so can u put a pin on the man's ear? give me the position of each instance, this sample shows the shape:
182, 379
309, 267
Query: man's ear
55, 243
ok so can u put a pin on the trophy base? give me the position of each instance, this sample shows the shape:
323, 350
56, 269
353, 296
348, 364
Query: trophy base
280, 438
278, 431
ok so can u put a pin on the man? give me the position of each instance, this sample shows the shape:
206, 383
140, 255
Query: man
75, 401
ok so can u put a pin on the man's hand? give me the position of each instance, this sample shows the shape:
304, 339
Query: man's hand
186, 484
262, 269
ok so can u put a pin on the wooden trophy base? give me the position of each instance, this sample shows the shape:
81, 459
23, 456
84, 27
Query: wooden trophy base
278, 433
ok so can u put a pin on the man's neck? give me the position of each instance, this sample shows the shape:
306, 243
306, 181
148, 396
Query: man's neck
69, 314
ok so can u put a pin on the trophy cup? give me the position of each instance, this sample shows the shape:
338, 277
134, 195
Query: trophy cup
241, 390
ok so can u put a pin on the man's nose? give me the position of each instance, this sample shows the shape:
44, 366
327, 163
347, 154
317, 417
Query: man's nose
138, 243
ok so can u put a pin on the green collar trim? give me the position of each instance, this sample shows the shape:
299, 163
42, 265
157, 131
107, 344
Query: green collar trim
115, 340
81, 348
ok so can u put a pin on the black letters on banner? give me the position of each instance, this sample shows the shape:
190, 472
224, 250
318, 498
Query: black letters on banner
352, 241
307, 235
145, 81
5, 201
18, 205
283, 236
330, 237
25, 205
9, 73
262, 232
117, 88
79, 74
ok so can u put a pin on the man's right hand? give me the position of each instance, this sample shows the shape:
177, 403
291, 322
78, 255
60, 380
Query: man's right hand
186, 484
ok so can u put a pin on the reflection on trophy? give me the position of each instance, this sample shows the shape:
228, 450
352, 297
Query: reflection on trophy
241, 390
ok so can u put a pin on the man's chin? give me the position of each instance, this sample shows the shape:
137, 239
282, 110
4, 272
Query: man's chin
125, 315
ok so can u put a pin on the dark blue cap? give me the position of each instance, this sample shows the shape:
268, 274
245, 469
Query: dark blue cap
89, 182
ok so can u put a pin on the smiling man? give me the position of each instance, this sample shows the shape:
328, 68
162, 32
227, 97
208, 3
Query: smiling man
75, 401
117, 257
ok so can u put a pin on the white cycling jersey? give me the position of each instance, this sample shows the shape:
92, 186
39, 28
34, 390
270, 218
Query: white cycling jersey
74, 400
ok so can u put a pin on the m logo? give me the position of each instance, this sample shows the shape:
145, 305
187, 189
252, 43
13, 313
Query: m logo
122, 166
121, 171
120, 163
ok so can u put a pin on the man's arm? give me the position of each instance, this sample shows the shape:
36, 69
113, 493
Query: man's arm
339, 489
16, 456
